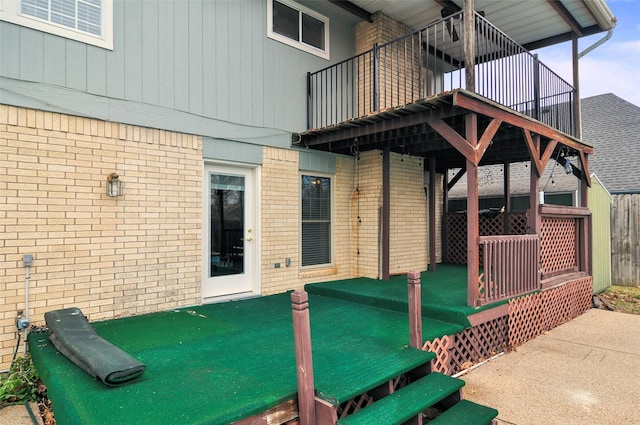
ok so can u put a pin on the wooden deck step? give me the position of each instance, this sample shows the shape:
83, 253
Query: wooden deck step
397, 408
466, 412
349, 374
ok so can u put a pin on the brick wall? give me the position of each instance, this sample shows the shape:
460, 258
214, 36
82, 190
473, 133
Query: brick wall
108, 256
401, 74
408, 238
368, 202
280, 223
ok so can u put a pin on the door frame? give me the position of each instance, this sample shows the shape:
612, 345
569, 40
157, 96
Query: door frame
252, 267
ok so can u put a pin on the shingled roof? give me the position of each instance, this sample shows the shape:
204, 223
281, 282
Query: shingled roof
612, 125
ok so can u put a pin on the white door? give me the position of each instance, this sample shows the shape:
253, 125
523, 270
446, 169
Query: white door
230, 266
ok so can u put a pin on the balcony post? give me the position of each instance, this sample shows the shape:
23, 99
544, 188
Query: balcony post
469, 45
309, 102
536, 86
415, 309
304, 361
376, 77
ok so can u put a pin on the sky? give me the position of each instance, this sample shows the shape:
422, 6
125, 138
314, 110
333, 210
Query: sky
613, 67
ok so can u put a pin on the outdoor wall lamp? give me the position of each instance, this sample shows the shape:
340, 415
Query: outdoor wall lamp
114, 185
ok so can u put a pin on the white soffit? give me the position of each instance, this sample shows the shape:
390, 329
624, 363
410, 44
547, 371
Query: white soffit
526, 21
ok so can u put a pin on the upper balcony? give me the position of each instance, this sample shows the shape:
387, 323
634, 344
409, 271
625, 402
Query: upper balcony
431, 61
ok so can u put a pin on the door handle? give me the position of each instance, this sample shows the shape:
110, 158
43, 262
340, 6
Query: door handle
249, 239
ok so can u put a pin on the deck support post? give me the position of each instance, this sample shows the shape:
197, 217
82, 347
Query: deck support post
304, 361
473, 233
415, 309
432, 214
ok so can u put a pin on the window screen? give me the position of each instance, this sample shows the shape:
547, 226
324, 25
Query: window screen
316, 220
81, 15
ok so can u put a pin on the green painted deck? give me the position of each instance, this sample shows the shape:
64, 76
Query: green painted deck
444, 293
219, 363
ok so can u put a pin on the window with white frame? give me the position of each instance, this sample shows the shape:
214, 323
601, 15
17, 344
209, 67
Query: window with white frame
316, 220
87, 21
298, 26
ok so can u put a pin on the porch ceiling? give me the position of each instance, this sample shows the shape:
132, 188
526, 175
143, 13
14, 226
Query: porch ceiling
533, 24
409, 130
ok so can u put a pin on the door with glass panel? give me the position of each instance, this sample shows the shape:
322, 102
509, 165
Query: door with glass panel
230, 243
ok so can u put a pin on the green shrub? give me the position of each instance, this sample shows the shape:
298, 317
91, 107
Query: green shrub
20, 385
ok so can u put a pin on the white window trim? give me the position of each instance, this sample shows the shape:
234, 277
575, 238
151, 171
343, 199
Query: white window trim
331, 262
10, 12
299, 44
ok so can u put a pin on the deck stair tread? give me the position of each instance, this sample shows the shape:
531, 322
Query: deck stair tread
466, 412
407, 402
345, 377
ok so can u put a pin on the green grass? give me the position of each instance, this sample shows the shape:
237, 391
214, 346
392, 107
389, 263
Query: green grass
625, 299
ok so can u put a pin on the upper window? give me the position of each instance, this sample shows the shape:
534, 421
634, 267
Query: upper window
298, 26
316, 220
88, 21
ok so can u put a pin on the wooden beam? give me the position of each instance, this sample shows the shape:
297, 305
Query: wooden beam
471, 133
469, 45
546, 156
466, 101
432, 214
456, 178
486, 138
577, 110
456, 140
304, 360
534, 151
415, 309
585, 167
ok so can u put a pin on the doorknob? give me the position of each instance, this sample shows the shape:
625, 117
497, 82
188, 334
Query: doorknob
249, 239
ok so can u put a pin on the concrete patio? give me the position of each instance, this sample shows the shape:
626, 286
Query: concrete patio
583, 372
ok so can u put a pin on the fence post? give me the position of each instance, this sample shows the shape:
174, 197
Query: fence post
415, 309
304, 361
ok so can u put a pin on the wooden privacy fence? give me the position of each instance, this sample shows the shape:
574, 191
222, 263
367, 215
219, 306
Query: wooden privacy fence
510, 267
625, 234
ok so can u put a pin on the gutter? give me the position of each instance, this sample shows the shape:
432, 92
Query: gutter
601, 12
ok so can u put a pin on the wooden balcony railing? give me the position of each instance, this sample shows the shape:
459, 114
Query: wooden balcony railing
431, 61
509, 267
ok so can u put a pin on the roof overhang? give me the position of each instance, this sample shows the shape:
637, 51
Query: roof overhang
533, 24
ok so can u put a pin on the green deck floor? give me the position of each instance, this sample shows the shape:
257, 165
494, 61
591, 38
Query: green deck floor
444, 293
219, 363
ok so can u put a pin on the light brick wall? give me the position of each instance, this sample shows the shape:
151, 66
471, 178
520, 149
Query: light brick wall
401, 74
368, 202
280, 223
110, 257
408, 238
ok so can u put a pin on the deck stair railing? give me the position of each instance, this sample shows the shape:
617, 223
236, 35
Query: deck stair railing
510, 267
431, 61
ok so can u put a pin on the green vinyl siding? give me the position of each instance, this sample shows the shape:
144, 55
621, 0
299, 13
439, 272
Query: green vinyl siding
600, 205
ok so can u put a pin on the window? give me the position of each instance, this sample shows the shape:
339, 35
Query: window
87, 21
298, 26
316, 220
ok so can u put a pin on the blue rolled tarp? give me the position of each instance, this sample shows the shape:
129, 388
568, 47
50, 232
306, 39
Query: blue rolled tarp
71, 334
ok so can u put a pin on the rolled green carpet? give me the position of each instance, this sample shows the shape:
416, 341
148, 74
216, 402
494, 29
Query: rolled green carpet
71, 334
